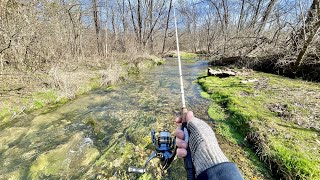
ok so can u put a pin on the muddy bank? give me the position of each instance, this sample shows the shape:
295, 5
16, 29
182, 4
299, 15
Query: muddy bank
309, 69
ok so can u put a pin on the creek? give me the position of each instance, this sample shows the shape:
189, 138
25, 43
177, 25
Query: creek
101, 134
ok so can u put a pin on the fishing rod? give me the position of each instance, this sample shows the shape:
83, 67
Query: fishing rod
187, 160
165, 145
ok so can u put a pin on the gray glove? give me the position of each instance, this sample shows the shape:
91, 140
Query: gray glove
205, 150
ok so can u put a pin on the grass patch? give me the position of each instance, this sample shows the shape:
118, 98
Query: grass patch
92, 84
41, 99
183, 55
4, 112
280, 139
142, 63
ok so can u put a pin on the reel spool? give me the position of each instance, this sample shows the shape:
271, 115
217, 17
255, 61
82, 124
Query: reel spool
165, 150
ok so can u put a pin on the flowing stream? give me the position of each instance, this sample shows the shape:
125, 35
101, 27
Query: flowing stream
101, 134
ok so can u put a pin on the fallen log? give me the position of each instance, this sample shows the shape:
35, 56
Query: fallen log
221, 73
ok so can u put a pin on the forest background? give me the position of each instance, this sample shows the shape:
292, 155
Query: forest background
52, 51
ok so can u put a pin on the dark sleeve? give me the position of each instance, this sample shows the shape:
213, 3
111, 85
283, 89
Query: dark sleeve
225, 171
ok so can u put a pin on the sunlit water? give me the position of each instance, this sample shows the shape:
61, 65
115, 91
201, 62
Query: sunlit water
100, 134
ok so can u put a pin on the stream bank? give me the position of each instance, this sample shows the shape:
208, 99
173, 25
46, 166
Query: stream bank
25, 93
276, 116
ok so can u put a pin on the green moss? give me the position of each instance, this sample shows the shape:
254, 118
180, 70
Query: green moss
205, 94
129, 148
56, 162
37, 104
89, 157
143, 63
293, 159
88, 86
40, 99
247, 111
157, 60
183, 55
186, 55
4, 112
216, 112
50, 107
108, 88
145, 177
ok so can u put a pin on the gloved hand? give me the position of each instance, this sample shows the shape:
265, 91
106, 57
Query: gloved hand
205, 150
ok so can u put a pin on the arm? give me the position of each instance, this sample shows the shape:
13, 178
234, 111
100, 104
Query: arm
208, 159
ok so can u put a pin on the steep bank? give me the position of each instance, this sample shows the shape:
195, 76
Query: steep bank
277, 117
277, 64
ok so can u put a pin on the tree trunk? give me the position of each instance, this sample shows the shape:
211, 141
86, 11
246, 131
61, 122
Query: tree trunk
266, 15
139, 23
150, 25
1, 64
256, 14
106, 34
133, 21
219, 14
240, 22
225, 13
303, 51
226, 23
1, 56
166, 30
301, 34
124, 23
96, 24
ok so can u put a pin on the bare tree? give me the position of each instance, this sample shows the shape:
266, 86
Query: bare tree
166, 28
106, 33
96, 24
241, 16
266, 15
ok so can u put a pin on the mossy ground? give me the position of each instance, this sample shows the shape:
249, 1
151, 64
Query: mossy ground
279, 116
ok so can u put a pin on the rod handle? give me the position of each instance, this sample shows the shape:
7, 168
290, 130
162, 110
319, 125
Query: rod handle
188, 165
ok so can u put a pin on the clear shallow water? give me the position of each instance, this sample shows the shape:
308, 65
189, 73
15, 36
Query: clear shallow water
100, 134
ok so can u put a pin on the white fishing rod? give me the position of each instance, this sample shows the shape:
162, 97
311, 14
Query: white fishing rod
179, 60
187, 160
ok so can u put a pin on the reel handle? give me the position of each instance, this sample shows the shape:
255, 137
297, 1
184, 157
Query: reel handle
188, 165
136, 170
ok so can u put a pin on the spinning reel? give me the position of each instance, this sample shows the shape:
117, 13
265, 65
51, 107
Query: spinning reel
165, 147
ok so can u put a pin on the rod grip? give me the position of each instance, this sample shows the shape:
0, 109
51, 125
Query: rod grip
188, 165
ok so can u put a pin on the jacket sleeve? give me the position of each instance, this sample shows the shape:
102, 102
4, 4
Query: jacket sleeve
222, 171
